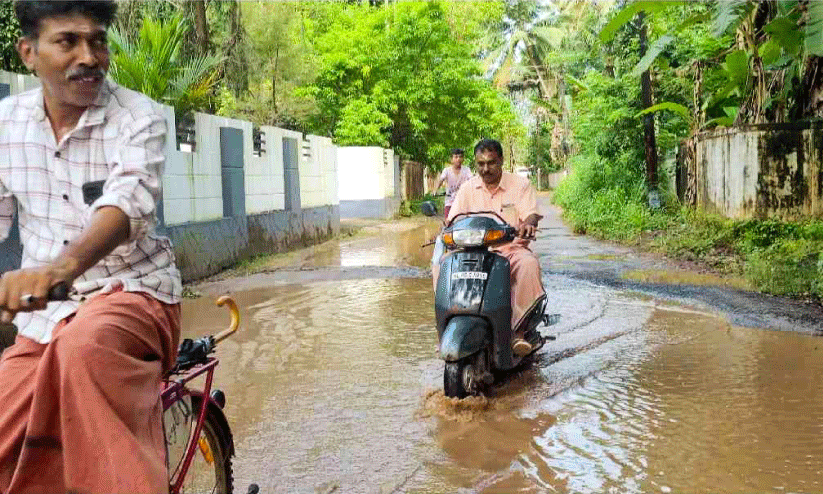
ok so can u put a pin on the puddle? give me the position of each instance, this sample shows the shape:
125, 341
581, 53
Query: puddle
333, 384
685, 278
605, 257
336, 385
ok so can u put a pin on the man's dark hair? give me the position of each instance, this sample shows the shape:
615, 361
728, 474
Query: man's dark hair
31, 12
458, 152
489, 145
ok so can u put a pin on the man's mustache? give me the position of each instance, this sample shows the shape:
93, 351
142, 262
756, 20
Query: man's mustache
82, 72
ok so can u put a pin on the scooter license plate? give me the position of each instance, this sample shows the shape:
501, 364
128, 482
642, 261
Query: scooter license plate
470, 275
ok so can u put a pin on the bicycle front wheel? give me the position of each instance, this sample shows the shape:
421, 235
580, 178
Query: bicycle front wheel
211, 469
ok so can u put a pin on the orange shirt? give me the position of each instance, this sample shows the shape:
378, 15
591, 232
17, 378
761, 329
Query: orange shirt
514, 199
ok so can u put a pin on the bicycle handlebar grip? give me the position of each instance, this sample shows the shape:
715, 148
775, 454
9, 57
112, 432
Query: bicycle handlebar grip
59, 291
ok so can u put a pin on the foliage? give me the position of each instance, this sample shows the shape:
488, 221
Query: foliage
280, 37
152, 64
782, 258
412, 208
9, 34
536, 50
399, 76
769, 67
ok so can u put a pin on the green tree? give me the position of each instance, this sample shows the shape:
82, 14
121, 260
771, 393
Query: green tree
401, 77
280, 38
9, 34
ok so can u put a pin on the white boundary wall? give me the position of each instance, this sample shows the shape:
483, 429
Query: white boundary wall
192, 181
365, 173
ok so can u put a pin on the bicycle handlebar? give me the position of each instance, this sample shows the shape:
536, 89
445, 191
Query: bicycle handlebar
235, 318
57, 293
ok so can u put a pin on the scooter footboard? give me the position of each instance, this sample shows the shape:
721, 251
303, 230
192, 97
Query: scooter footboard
463, 336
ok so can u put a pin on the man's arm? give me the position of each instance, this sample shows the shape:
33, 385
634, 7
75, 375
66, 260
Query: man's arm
108, 229
440, 182
460, 204
134, 184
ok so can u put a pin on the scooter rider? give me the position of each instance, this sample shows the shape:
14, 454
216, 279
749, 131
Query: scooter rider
515, 199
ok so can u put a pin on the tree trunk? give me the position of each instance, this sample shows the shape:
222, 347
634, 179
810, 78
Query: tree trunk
274, 81
810, 100
236, 64
201, 26
648, 119
536, 62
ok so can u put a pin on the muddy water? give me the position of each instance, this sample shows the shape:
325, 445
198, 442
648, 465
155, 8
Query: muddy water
334, 386
389, 247
685, 404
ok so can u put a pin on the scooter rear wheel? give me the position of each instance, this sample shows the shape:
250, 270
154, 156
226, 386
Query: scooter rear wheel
457, 378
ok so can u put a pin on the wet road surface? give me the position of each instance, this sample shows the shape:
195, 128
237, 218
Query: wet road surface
334, 385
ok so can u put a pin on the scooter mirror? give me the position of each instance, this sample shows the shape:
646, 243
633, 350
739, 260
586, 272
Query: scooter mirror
428, 208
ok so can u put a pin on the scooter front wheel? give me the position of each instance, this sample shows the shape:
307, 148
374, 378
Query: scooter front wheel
459, 378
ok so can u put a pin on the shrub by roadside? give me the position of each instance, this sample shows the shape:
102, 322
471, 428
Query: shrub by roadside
412, 208
777, 257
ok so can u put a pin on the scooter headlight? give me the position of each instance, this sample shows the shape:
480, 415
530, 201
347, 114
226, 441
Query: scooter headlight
469, 238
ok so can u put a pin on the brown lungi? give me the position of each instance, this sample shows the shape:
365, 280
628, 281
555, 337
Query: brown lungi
82, 413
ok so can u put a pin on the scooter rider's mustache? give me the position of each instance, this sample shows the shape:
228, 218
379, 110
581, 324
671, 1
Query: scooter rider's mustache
83, 72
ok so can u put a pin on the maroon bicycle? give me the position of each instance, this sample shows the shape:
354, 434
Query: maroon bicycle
199, 444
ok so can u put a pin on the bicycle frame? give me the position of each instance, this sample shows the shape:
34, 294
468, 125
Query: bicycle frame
174, 390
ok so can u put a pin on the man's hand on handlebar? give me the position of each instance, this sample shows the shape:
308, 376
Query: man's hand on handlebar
528, 229
27, 290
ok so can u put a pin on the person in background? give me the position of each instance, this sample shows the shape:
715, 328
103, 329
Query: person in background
453, 176
83, 158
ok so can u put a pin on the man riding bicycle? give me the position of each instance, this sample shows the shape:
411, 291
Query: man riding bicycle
82, 158
453, 176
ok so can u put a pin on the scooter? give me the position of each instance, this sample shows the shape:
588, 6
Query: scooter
473, 303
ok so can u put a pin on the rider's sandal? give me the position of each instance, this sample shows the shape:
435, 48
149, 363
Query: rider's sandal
521, 347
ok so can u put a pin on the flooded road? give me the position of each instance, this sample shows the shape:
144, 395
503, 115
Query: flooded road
334, 384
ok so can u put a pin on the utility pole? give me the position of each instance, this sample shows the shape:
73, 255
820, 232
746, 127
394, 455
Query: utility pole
648, 121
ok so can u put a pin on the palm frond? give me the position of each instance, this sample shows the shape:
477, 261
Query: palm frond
627, 14
551, 36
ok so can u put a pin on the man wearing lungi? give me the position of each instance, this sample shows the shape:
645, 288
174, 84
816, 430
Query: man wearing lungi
513, 198
82, 159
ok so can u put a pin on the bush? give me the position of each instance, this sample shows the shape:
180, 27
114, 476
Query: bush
412, 208
788, 267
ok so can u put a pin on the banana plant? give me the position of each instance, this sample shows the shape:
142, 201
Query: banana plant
772, 66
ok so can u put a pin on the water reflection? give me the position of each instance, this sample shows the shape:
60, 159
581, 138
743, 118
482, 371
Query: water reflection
683, 411
391, 248
324, 380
